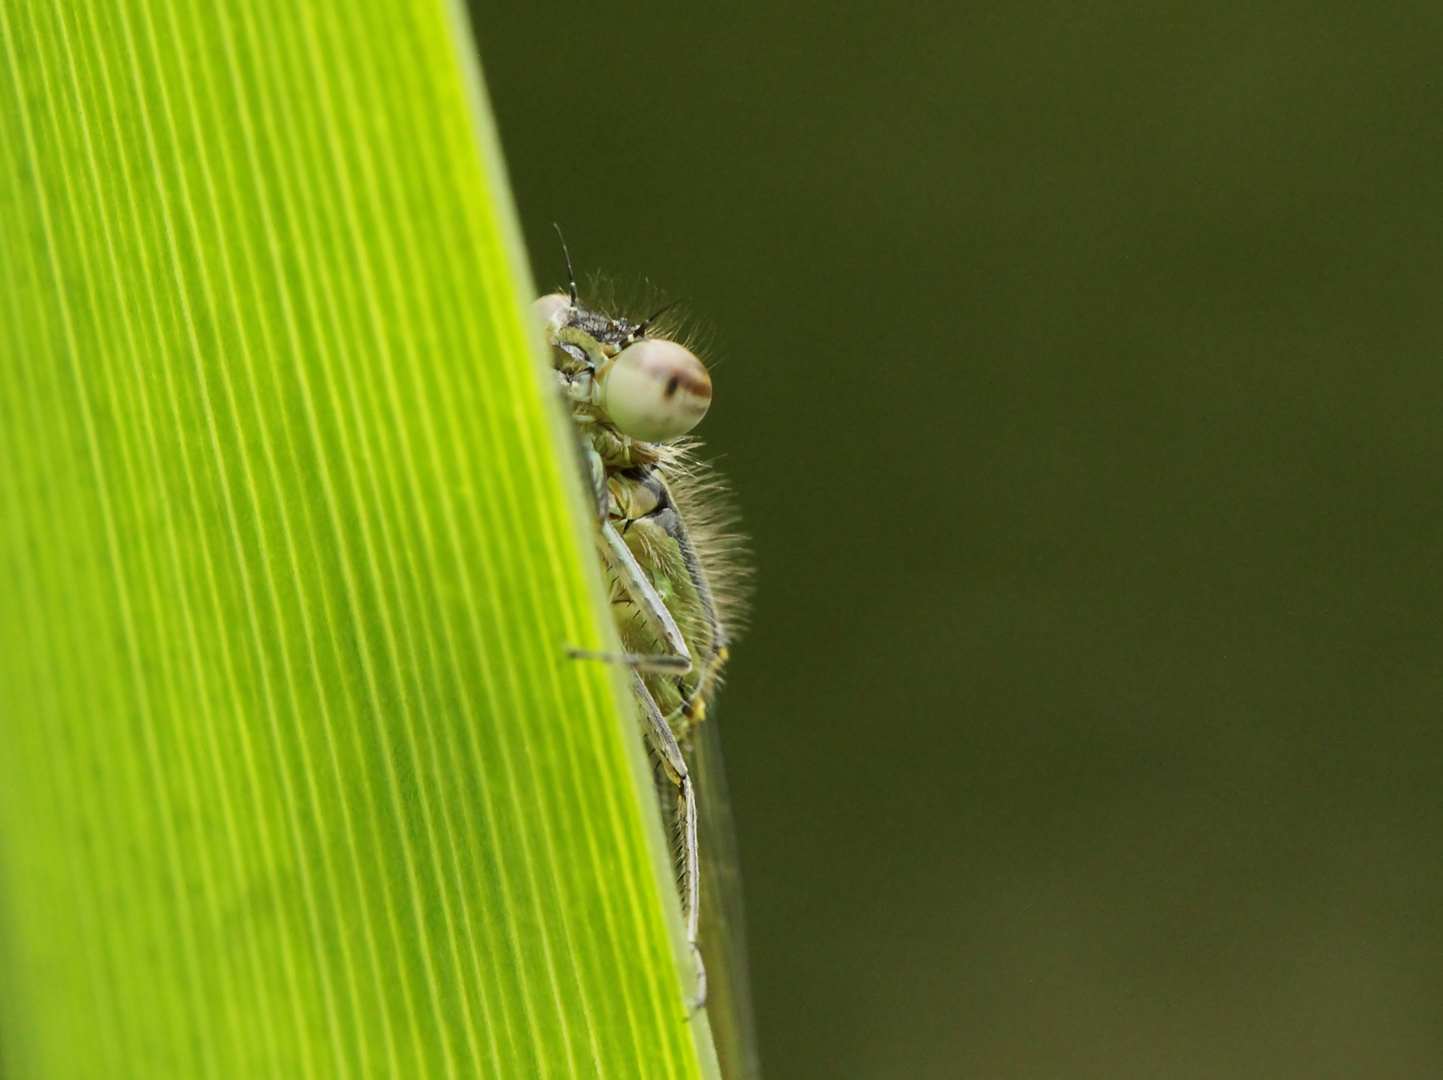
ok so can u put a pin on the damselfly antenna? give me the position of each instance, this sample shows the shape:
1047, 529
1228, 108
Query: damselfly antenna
570, 273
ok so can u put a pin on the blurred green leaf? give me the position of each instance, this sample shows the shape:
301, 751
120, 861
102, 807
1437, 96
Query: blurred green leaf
296, 778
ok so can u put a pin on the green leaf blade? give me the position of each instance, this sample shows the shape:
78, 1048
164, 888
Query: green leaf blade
299, 780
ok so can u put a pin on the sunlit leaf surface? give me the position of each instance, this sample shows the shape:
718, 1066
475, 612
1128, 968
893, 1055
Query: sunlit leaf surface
296, 779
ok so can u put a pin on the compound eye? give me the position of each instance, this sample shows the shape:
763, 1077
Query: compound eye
545, 309
656, 390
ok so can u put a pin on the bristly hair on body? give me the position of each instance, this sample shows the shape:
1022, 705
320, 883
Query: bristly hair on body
704, 498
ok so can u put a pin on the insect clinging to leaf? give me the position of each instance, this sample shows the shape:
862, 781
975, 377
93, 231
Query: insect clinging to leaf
676, 580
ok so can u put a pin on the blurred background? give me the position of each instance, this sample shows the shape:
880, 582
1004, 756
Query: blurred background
1079, 369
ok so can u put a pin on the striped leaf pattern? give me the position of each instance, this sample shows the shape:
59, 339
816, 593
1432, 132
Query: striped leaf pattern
296, 778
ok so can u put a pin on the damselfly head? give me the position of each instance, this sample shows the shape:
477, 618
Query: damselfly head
651, 388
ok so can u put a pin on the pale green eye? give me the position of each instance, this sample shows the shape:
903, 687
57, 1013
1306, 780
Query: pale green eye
544, 309
656, 390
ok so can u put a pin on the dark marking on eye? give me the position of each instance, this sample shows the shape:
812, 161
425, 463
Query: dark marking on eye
671, 385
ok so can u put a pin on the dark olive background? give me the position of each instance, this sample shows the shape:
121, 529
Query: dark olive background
1079, 368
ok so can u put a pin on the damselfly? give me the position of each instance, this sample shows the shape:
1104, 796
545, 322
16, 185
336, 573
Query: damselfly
675, 581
